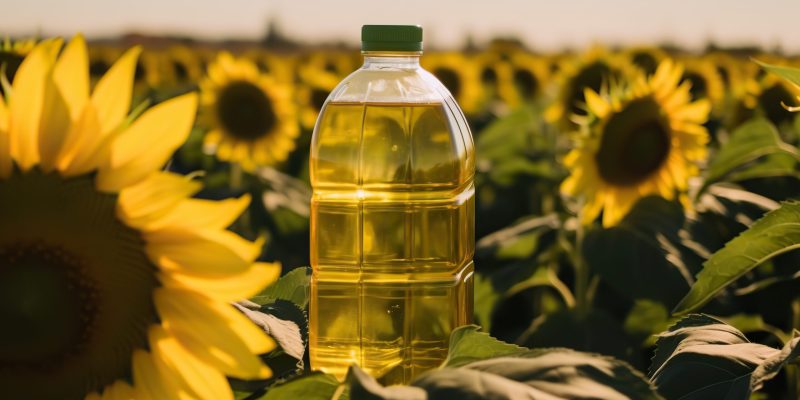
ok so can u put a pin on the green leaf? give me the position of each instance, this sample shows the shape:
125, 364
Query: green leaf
468, 344
776, 233
646, 319
294, 287
703, 358
750, 141
595, 331
790, 74
539, 374
314, 386
642, 257
485, 299
365, 387
773, 165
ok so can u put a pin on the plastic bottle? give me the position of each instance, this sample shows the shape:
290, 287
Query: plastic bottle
392, 215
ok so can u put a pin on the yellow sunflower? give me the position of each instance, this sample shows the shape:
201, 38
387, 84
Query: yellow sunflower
114, 283
594, 70
646, 58
644, 140
314, 87
762, 94
252, 117
458, 75
522, 78
180, 65
281, 67
705, 80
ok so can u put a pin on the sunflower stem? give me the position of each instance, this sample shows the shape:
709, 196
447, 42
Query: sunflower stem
236, 182
582, 275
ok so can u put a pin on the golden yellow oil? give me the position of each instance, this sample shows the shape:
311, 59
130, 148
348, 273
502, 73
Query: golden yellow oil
392, 237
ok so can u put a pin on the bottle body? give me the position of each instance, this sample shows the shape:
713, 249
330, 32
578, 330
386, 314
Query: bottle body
392, 222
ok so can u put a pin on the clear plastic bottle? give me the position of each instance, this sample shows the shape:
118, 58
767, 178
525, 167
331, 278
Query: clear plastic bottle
392, 220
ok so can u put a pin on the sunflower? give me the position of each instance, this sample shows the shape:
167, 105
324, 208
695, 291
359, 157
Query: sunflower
180, 65
314, 88
642, 140
646, 58
594, 70
114, 283
458, 75
11, 55
763, 94
252, 117
705, 80
522, 79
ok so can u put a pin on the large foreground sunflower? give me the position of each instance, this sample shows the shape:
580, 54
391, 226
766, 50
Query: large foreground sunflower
114, 284
644, 141
252, 117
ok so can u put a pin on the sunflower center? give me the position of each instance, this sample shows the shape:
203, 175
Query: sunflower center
449, 79
699, 87
181, 72
245, 111
645, 61
318, 97
770, 101
635, 143
591, 76
76, 288
98, 68
489, 75
47, 303
526, 82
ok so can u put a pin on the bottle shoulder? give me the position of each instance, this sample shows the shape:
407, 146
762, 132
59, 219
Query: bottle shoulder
390, 85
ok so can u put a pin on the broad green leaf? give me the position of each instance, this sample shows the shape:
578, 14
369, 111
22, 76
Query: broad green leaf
750, 141
314, 386
776, 233
595, 331
365, 387
773, 165
522, 246
703, 358
642, 257
294, 287
468, 344
505, 136
646, 319
790, 74
485, 299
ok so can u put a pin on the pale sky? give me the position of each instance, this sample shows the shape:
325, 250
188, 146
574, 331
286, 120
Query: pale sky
545, 25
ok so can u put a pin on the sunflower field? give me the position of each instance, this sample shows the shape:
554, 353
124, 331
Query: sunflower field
637, 222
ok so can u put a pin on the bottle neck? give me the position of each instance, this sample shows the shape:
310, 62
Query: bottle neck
393, 59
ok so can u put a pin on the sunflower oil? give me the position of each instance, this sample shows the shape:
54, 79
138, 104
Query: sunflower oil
392, 222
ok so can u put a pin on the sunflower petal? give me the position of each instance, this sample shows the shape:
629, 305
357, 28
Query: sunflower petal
55, 124
226, 335
225, 287
596, 104
208, 251
112, 95
195, 376
201, 214
154, 197
27, 103
120, 390
71, 75
79, 146
148, 143
148, 379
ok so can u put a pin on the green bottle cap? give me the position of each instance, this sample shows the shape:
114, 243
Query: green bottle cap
391, 38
